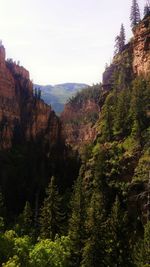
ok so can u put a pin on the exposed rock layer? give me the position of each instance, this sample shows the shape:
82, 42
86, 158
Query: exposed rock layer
22, 115
77, 121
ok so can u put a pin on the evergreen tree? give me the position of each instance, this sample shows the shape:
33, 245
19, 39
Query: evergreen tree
27, 219
51, 215
120, 40
118, 247
121, 121
147, 9
76, 223
2, 212
140, 99
142, 249
94, 251
117, 45
135, 13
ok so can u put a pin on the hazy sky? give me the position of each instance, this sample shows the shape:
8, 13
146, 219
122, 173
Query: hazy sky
63, 40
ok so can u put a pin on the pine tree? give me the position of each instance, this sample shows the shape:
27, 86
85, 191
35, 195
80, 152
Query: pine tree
76, 223
94, 251
51, 216
117, 45
118, 248
27, 219
135, 13
142, 249
122, 37
120, 40
2, 211
147, 9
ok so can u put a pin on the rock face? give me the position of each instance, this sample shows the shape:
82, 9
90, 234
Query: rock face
135, 58
141, 48
132, 61
77, 121
22, 115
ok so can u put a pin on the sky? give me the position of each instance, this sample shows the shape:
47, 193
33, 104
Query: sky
61, 41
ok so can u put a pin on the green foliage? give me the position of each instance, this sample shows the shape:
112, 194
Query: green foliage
142, 249
12, 262
126, 113
135, 13
92, 92
118, 246
25, 223
51, 216
76, 223
142, 169
48, 253
120, 40
94, 251
20, 252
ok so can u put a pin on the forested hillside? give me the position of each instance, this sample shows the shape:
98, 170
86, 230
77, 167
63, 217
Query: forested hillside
81, 198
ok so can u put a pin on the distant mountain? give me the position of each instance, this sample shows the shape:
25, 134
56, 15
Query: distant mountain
57, 95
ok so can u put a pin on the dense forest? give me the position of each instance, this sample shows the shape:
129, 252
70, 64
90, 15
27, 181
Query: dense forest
89, 206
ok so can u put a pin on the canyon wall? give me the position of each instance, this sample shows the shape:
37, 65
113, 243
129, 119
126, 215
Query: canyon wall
22, 115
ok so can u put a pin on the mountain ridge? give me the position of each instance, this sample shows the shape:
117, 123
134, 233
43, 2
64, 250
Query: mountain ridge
57, 95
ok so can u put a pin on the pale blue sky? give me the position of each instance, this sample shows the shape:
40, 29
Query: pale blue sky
63, 40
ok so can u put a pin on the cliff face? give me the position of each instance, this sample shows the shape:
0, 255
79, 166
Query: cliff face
77, 121
22, 115
141, 48
135, 59
80, 115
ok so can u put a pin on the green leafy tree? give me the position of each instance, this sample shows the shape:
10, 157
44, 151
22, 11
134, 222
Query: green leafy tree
12, 262
51, 215
48, 253
135, 13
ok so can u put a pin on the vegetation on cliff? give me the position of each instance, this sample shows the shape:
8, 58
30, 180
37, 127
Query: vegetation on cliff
64, 210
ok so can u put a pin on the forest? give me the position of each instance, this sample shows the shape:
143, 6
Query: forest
89, 206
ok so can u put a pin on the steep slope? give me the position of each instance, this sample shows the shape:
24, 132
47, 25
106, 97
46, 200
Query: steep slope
80, 114
32, 147
22, 116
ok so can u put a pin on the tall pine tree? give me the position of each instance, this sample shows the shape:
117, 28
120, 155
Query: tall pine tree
118, 247
120, 40
147, 9
135, 13
142, 249
76, 222
94, 252
51, 215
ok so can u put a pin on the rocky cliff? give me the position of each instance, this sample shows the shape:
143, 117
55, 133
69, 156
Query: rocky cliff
22, 115
80, 115
77, 124
135, 58
133, 61
141, 48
